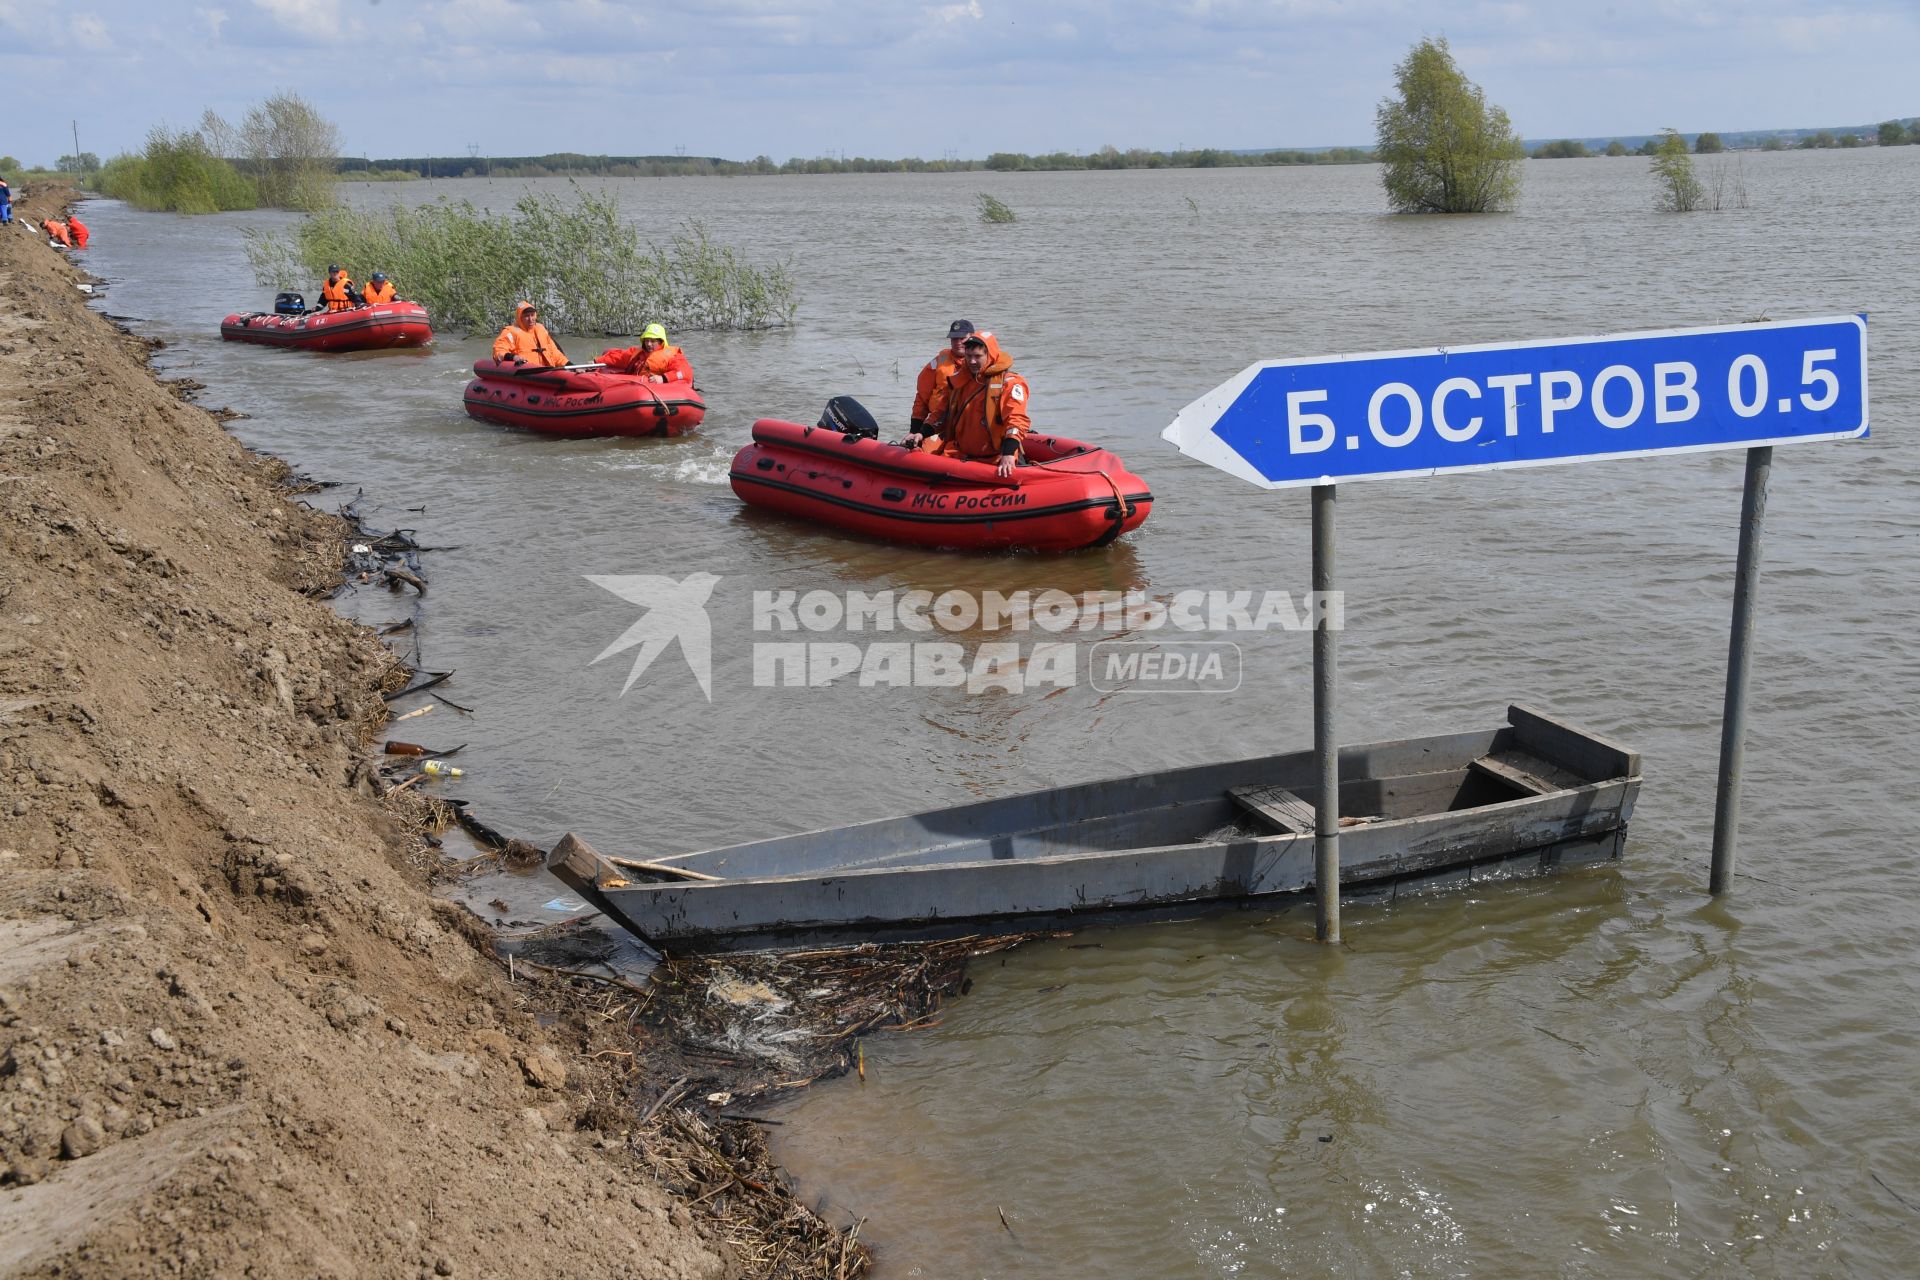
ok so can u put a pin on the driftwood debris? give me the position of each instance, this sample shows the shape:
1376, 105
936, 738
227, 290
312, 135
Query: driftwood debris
659, 868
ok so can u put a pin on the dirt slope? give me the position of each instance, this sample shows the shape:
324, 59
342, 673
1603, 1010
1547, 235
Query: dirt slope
237, 1036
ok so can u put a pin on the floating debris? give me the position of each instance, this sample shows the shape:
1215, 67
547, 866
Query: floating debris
758, 1023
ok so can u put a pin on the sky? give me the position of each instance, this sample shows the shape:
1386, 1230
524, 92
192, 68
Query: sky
740, 78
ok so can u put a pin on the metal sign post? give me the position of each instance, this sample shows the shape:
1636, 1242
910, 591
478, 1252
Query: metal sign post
1326, 743
1733, 719
1315, 422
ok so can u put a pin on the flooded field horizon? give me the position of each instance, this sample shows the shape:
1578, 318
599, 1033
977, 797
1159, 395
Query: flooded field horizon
1595, 1074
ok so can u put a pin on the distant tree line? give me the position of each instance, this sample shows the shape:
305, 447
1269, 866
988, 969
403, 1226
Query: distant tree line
1890, 133
568, 164
1201, 158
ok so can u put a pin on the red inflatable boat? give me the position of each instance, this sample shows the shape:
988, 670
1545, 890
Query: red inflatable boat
1067, 495
384, 324
581, 400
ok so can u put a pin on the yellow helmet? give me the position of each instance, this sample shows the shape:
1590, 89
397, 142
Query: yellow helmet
654, 331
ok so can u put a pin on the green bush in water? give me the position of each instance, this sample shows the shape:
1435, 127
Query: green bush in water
587, 271
993, 209
176, 173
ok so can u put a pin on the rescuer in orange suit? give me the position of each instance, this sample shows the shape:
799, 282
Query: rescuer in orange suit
935, 372
981, 412
78, 230
526, 340
57, 232
654, 359
337, 292
379, 289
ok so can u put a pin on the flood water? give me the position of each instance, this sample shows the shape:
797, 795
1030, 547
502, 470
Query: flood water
1599, 1074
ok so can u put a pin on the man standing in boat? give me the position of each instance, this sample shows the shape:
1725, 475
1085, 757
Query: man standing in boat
935, 373
981, 411
653, 360
526, 340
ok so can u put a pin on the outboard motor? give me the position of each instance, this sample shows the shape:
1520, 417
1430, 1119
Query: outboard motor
289, 304
850, 418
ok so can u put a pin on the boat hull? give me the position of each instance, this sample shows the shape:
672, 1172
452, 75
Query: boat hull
581, 402
1159, 843
371, 328
1076, 497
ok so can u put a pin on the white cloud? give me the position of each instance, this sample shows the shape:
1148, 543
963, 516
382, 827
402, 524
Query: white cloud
317, 20
90, 33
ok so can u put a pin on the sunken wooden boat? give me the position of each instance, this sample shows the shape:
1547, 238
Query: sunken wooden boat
1533, 795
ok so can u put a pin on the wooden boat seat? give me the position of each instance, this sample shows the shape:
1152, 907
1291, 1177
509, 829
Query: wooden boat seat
1526, 773
1276, 806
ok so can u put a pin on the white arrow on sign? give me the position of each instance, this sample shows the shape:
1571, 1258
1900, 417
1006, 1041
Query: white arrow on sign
1192, 429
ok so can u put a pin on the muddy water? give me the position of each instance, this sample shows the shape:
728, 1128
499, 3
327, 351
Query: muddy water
1602, 1074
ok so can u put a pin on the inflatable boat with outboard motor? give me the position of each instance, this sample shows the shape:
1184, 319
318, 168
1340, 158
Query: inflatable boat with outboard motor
1065, 495
369, 328
581, 400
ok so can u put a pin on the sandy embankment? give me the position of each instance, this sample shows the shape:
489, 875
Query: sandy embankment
237, 1036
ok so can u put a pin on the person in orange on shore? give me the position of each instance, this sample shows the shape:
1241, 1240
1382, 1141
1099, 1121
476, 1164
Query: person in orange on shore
57, 233
935, 373
526, 340
379, 289
78, 230
337, 292
654, 359
981, 413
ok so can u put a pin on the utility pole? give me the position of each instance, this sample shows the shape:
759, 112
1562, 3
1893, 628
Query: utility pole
76, 143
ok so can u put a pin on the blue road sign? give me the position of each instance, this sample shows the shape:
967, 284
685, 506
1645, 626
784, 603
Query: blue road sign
1283, 423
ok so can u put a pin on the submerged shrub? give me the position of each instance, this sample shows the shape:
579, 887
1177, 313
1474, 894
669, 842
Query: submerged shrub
1676, 190
993, 210
176, 173
586, 269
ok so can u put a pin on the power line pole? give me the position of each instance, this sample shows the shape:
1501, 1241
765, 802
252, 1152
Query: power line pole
76, 143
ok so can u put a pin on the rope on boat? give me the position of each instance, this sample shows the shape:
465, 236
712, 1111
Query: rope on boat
1119, 498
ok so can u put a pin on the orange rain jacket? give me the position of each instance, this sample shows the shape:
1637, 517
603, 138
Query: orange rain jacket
335, 292
668, 364
79, 231
933, 375
382, 292
982, 417
526, 341
57, 232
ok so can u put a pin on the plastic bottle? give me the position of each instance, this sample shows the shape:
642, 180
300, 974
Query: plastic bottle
441, 769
